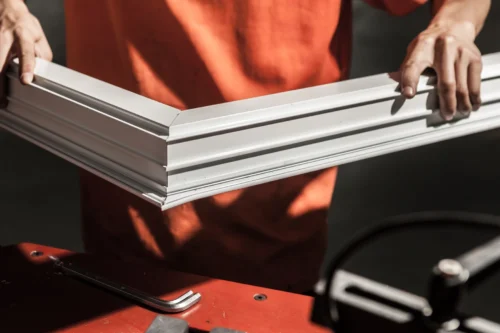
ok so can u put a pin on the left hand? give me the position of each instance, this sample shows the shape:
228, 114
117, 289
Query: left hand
450, 50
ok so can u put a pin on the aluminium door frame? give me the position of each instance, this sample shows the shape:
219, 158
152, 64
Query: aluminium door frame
170, 157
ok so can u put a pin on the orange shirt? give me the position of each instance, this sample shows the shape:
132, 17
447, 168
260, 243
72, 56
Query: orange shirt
192, 53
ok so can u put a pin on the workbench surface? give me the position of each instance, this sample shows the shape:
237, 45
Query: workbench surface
34, 298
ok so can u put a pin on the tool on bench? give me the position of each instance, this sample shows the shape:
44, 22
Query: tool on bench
179, 304
161, 324
350, 304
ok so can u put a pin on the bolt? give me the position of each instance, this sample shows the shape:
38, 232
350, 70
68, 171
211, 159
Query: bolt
451, 325
427, 311
450, 268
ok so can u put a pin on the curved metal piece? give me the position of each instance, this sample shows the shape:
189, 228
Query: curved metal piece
179, 304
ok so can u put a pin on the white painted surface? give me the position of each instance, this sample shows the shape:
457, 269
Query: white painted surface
246, 143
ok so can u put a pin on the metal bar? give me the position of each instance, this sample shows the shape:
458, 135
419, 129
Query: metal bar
171, 157
481, 262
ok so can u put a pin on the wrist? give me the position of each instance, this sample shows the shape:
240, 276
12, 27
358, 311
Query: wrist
462, 29
467, 16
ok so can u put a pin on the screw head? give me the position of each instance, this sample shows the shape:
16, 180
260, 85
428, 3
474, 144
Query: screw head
36, 253
450, 268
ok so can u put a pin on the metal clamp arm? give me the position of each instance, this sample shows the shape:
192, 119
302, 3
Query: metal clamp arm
481, 262
452, 277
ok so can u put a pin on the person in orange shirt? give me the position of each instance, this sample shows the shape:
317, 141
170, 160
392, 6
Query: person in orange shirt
193, 53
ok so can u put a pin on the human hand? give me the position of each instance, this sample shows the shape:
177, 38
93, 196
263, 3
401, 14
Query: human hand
21, 35
449, 49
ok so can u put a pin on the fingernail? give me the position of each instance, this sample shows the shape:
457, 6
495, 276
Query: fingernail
448, 116
408, 91
27, 78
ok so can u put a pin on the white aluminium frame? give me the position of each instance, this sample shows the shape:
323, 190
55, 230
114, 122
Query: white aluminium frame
171, 157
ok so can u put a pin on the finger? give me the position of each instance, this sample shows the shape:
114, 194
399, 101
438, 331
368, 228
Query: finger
26, 53
474, 81
42, 47
464, 104
43, 50
6, 41
419, 58
445, 69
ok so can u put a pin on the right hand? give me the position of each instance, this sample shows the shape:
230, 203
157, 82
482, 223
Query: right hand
21, 35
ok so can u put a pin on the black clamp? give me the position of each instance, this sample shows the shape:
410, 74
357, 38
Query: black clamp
349, 303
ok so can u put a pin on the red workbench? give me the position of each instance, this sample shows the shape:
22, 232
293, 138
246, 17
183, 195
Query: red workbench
33, 298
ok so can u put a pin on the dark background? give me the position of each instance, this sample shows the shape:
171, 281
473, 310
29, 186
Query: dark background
39, 196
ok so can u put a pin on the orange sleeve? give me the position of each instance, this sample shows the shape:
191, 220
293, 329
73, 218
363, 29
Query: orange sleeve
397, 7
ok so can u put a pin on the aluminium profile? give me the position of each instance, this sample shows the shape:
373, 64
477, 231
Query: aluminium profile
171, 157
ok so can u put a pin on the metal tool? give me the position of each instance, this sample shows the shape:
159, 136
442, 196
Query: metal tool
179, 304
